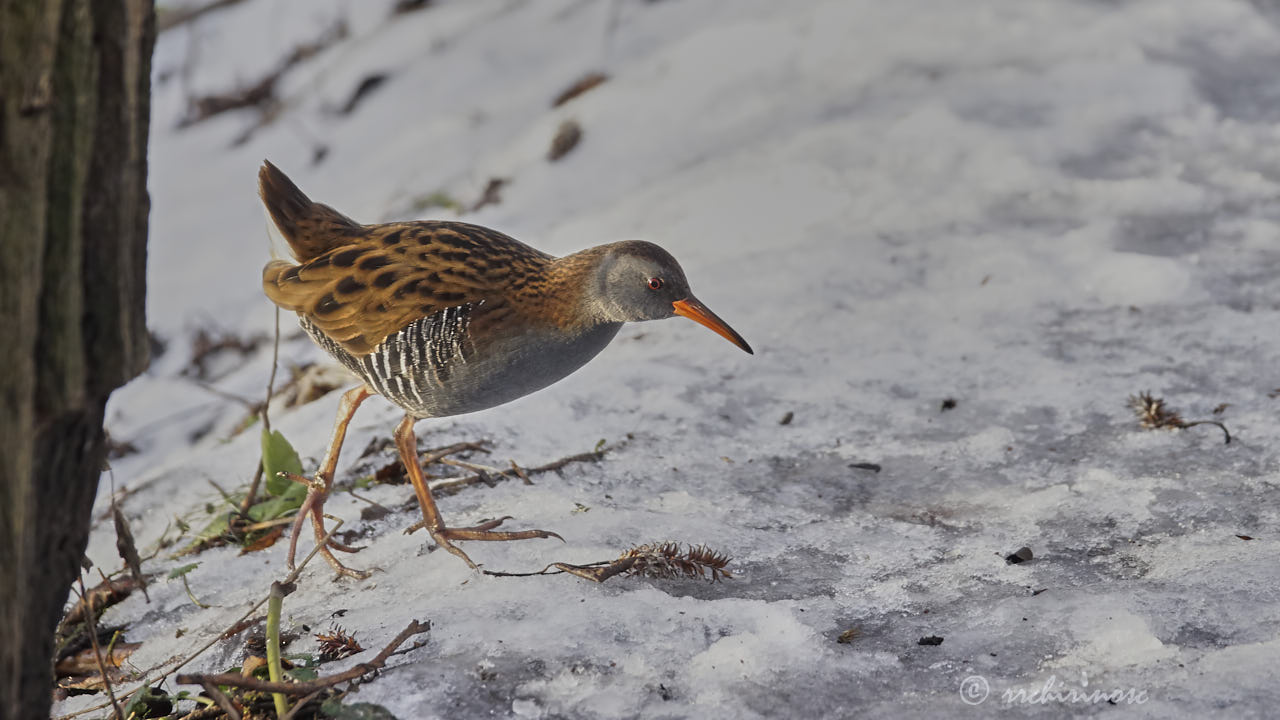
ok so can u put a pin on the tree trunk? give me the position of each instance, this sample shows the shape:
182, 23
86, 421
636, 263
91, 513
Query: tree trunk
74, 110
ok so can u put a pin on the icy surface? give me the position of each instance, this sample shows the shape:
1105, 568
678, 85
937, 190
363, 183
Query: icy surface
1033, 208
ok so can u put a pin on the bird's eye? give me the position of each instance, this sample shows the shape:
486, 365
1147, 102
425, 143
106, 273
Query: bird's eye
655, 283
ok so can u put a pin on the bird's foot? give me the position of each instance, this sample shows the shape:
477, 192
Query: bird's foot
445, 536
338, 567
313, 505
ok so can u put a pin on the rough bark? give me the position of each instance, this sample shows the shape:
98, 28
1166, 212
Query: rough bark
74, 85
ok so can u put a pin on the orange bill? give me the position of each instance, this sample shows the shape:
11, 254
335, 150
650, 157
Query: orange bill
691, 308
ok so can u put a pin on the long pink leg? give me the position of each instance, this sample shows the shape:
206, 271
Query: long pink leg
318, 488
407, 443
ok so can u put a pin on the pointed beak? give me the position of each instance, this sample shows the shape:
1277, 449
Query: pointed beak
691, 308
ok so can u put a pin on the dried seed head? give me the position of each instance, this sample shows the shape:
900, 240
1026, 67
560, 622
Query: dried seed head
337, 644
1152, 412
664, 560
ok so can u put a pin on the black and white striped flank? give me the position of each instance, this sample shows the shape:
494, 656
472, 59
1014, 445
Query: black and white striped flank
412, 363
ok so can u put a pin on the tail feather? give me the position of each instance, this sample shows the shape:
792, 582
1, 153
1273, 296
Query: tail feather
311, 228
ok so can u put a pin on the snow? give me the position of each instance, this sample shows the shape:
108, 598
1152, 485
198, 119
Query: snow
1034, 207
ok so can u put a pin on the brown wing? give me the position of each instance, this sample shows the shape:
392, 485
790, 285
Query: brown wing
373, 285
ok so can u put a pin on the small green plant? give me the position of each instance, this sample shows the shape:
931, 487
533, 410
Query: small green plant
283, 497
182, 572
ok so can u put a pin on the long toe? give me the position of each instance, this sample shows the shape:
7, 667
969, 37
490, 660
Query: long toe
343, 570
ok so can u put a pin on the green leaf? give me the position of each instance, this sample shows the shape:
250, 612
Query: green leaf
214, 529
180, 571
275, 507
279, 456
149, 702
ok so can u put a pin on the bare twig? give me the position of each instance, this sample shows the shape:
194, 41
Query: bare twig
209, 388
1221, 427
453, 485
91, 623
298, 706
267, 524
375, 504
474, 467
223, 701
309, 686
441, 453
520, 473
271, 381
251, 496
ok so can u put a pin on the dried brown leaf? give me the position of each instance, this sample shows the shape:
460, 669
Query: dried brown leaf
127, 549
568, 135
582, 85
264, 542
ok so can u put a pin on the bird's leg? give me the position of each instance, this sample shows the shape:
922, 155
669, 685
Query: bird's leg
407, 443
318, 488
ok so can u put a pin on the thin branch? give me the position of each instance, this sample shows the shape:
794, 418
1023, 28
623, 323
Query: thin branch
209, 388
251, 497
520, 473
1221, 427
444, 452
297, 708
271, 381
309, 686
91, 624
453, 485
223, 701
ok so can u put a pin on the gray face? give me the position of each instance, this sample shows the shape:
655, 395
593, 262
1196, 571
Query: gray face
640, 281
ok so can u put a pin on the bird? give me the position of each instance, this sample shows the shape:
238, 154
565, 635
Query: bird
444, 318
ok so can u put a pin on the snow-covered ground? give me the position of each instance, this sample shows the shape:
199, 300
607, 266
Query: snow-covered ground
1034, 208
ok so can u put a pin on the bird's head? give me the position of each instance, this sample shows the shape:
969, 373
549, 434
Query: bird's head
638, 280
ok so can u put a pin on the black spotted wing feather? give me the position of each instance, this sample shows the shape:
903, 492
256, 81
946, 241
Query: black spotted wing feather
360, 292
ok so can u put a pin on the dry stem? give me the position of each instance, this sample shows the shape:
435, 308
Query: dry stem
309, 686
91, 623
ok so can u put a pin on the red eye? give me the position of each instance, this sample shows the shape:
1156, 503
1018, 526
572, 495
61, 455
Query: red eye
655, 283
